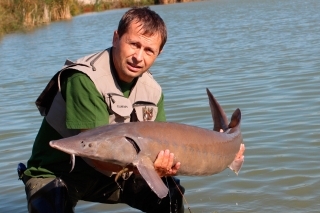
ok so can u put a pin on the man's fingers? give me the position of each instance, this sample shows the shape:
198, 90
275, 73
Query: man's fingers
158, 161
170, 161
166, 159
241, 151
164, 164
175, 168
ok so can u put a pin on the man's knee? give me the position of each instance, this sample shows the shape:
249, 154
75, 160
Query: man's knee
173, 202
39, 204
175, 195
47, 195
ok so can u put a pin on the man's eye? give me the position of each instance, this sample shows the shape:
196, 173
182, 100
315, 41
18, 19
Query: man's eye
134, 45
149, 52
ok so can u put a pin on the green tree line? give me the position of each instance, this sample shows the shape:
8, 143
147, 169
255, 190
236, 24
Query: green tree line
18, 15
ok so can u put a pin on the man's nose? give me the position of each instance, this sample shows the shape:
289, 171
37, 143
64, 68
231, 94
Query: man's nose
139, 54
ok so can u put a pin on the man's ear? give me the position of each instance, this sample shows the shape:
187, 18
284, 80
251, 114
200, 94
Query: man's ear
115, 38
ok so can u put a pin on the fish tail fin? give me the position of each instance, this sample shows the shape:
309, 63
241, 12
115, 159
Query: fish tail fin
221, 123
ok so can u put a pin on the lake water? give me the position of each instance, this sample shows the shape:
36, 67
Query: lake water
262, 56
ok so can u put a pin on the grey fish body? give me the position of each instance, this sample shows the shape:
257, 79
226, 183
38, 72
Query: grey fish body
200, 151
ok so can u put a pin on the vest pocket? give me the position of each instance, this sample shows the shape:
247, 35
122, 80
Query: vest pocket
120, 105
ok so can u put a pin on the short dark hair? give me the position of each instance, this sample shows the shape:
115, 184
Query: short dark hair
151, 23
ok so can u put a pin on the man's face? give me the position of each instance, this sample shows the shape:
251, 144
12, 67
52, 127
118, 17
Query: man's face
134, 53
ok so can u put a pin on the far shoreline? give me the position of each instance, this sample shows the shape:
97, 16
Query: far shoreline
29, 15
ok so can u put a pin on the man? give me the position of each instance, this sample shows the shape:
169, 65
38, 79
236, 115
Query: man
108, 87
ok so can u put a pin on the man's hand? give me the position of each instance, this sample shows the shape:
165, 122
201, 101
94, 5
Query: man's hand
240, 154
164, 164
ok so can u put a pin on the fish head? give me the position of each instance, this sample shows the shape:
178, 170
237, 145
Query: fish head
103, 143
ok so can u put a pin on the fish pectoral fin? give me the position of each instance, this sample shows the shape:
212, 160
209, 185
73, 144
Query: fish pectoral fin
146, 169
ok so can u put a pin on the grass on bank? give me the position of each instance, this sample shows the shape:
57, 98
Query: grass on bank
23, 15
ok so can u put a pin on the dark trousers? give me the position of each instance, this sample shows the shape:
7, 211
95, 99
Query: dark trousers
60, 195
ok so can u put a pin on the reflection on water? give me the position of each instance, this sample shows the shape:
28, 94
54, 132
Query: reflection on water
260, 56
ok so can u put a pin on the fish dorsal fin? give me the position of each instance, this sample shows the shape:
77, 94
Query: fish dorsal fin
219, 117
146, 169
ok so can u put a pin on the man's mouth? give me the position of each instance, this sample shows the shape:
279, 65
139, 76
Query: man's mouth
133, 67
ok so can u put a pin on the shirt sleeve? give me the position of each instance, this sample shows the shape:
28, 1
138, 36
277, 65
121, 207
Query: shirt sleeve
85, 106
161, 116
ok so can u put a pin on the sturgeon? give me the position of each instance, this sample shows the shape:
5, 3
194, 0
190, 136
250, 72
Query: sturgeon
201, 151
